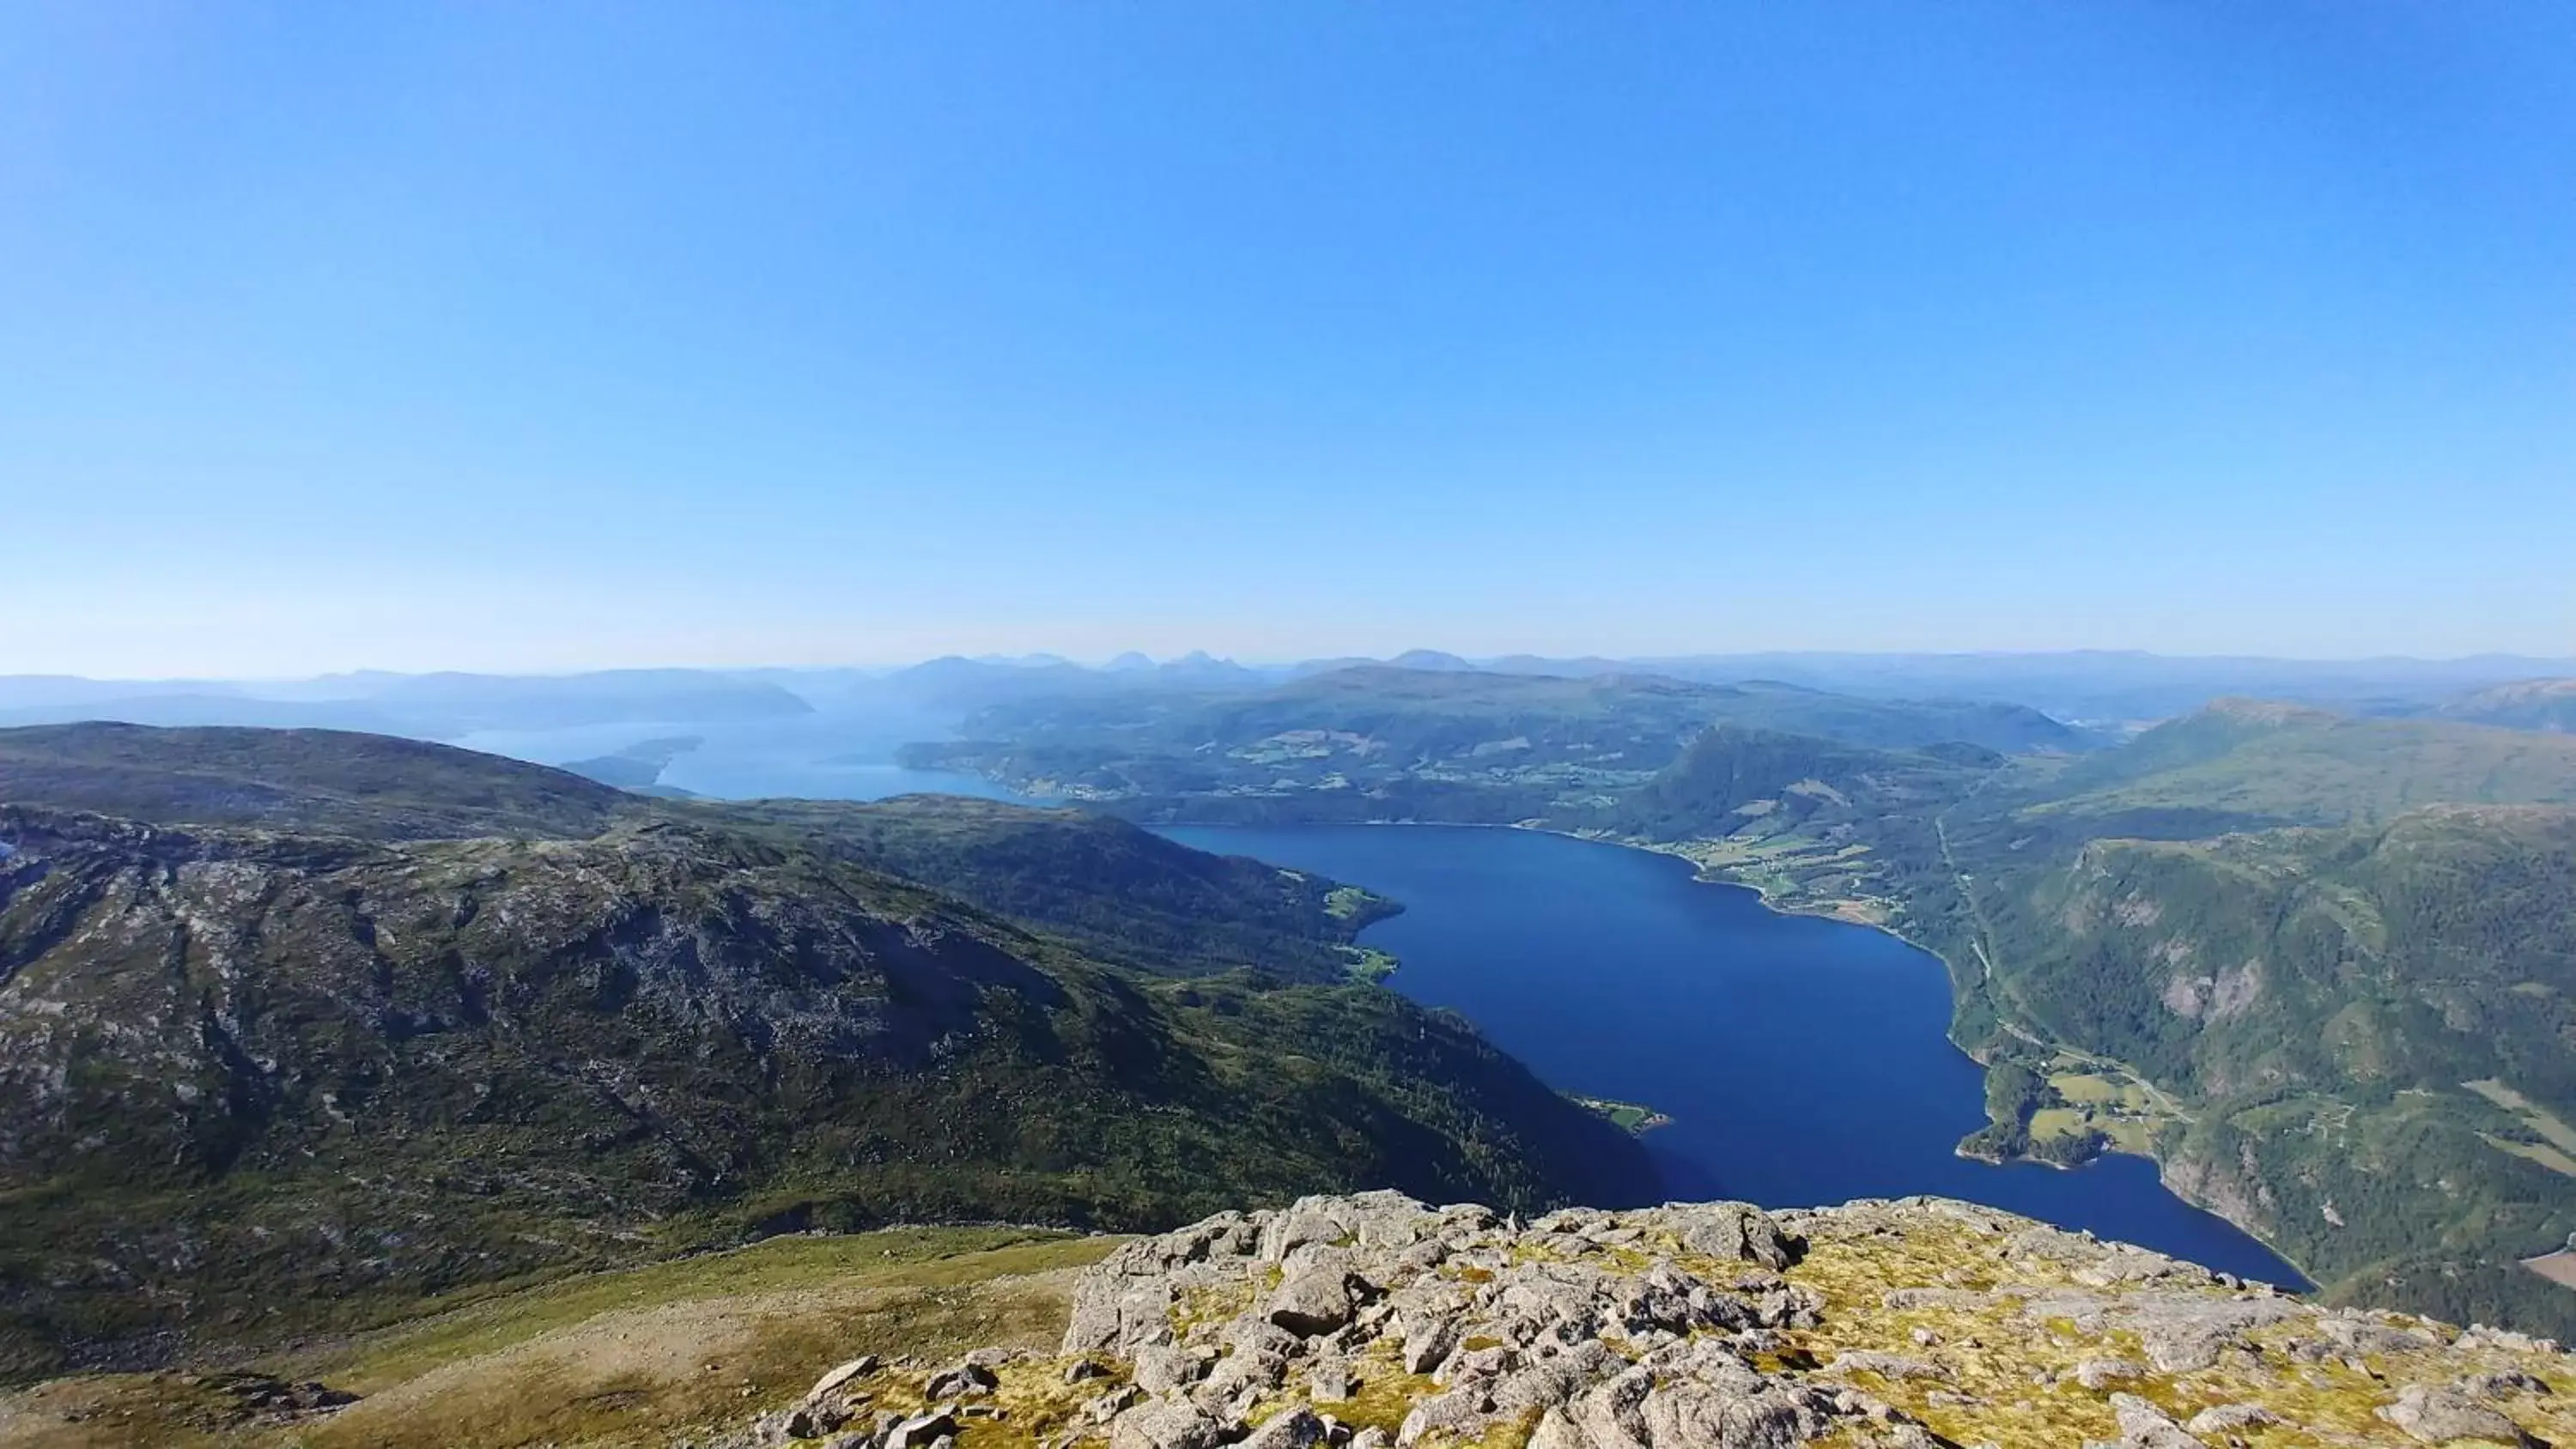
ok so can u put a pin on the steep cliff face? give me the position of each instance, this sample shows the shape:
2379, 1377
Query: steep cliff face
253, 1084
1373, 1321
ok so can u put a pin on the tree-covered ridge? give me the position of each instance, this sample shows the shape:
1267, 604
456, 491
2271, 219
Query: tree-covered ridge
1124, 894
2286, 941
2320, 1000
2290, 766
2308, 1003
2267, 943
1431, 744
255, 1083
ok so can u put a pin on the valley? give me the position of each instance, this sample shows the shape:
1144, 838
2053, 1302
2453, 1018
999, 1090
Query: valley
330, 1050
615, 1004
2262, 944
1286, 726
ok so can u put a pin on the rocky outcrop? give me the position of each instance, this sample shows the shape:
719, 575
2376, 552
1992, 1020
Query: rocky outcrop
1375, 1322
248, 1076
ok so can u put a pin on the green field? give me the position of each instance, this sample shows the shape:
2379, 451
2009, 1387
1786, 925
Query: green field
1626, 1116
636, 1357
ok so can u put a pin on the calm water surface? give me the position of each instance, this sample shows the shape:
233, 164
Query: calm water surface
805, 757
1802, 1060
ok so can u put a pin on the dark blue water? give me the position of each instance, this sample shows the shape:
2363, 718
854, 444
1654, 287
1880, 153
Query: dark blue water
1802, 1060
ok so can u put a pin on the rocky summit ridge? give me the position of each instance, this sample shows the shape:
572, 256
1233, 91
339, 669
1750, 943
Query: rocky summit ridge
1375, 1322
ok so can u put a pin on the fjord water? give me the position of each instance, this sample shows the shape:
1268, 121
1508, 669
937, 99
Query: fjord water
834, 756
1802, 1060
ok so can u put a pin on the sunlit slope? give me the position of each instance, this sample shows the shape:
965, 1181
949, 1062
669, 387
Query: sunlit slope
255, 1083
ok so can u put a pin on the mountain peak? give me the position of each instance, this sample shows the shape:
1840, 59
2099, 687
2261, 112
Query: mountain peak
1374, 1320
1430, 659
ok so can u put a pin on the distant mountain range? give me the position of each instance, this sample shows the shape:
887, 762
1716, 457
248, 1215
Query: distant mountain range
433, 706
2102, 690
2098, 687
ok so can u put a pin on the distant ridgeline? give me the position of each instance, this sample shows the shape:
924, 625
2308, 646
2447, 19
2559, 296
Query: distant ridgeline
299, 1028
2320, 967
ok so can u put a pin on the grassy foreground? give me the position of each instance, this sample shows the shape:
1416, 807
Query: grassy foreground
641, 1356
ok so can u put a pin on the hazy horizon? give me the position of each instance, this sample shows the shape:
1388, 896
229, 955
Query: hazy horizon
1042, 657
534, 339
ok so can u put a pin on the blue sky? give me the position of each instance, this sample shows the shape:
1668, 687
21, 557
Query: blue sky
544, 336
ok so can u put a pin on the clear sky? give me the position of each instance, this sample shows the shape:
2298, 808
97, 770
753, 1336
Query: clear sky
529, 336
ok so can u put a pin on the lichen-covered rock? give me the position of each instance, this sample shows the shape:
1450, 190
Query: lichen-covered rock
1166, 1424
1318, 1300
2144, 1426
966, 1379
1375, 1322
2224, 1419
2447, 1416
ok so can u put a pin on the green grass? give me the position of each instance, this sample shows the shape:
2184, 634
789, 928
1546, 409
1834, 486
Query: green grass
2538, 1118
2306, 767
407, 1350
1631, 1117
642, 1356
1368, 963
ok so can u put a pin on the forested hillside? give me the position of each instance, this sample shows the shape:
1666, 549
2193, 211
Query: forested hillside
2337, 949
1125, 894
1375, 742
2317, 965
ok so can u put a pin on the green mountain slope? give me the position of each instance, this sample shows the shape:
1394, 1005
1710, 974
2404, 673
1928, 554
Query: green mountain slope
1374, 742
2270, 945
1124, 894
2273, 764
328, 780
1817, 824
254, 1084
2321, 1001
2297, 937
2530, 704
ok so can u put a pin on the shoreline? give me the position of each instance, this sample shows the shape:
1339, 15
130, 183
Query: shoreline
1646, 1119
1701, 875
2164, 1176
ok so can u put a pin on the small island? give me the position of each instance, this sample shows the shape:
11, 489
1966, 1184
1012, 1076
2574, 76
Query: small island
1630, 1117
